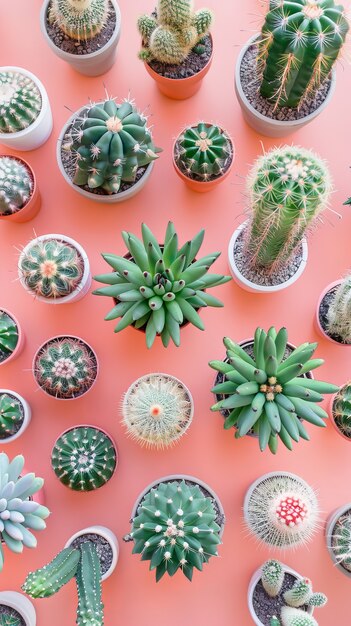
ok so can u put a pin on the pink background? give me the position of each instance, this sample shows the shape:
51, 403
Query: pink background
131, 596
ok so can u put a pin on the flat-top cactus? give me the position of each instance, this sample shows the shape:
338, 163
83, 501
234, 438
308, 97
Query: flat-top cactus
299, 45
272, 577
203, 152
342, 409
20, 101
340, 541
339, 312
79, 19
11, 415
8, 335
16, 185
296, 617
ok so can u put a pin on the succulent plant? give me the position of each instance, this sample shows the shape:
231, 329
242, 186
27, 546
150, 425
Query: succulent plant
288, 188
109, 142
203, 152
65, 367
174, 32
8, 335
339, 312
299, 45
340, 541
282, 511
342, 409
159, 288
16, 185
79, 19
7, 619
175, 528
272, 577
51, 268
19, 513
84, 458
300, 593
11, 415
266, 393
20, 101
296, 617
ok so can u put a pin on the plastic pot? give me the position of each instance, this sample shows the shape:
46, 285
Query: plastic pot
318, 326
27, 414
329, 529
20, 342
107, 534
32, 206
21, 604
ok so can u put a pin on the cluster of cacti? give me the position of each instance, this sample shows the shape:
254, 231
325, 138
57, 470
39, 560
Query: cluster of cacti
109, 142
299, 44
16, 185
20, 101
282, 511
203, 152
51, 268
65, 367
19, 513
11, 415
342, 410
8, 335
175, 528
79, 19
287, 189
340, 541
84, 458
157, 410
339, 312
159, 288
7, 619
174, 32
266, 394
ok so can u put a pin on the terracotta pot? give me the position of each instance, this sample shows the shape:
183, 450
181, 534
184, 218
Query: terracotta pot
27, 414
329, 529
20, 342
20, 603
107, 534
318, 327
32, 206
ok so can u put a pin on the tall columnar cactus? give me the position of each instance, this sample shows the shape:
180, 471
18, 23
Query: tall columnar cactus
10, 620
342, 410
84, 458
8, 335
16, 185
161, 287
109, 142
175, 528
203, 151
339, 312
88, 579
174, 32
48, 580
299, 45
287, 188
272, 577
51, 268
296, 617
79, 19
20, 101
300, 593
340, 541
11, 415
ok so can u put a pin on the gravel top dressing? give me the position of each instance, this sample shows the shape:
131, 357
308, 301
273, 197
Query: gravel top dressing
323, 314
192, 65
103, 548
266, 607
10, 612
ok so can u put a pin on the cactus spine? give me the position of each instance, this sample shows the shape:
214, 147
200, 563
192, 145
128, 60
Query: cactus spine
48, 580
16, 185
296, 617
203, 152
339, 313
11, 415
341, 541
88, 579
20, 101
8, 335
272, 577
299, 594
342, 410
79, 19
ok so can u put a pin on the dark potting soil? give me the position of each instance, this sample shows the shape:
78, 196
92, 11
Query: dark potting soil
103, 549
8, 611
323, 313
18, 425
250, 83
192, 65
193, 176
72, 46
266, 607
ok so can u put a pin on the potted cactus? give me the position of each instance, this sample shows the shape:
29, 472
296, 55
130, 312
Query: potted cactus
278, 595
340, 411
157, 410
65, 367
338, 538
159, 288
25, 113
84, 458
55, 269
16, 610
177, 523
11, 337
287, 189
284, 76
333, 315
177, 48
203, 156
84, 33
261, 390
15, 415
19, 194
106, 152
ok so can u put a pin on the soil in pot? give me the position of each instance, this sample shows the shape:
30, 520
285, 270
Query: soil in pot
180, 165
9, 612
266, 607
18, 425
103, 549
325, 304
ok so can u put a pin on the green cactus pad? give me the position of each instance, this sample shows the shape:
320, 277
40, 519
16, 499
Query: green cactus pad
48, 580
79, 19
16, 185
8, 335
203, 152
11, 415
20, 101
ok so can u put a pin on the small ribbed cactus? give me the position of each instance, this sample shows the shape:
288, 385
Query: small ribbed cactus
174, 32
16, 185
8, 335
317, 599
11, 415
341, 541
157, 410
79, 19
48, 580
300, 593
203, 152
20, 101
84, 458
296, 617
342, 410
299, 45
175, 528
10, 620
288, 188
88, 579
108, 143
272, 577
51, 268
339, 312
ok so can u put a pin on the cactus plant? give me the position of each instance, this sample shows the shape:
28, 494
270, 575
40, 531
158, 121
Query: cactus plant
272, 577
160, 287
203, 152
48, 580
342, 410
19, 512
175, 528
51, 268
274, 621
20, 101
108, 143
9, 619
339, 312
341, 541
8, 335
65, 367
288, 188
298, 47
265, 393
300, 593
84, 458
296, 617
317, 599
174, 32
79, 19
11, 415
16, 185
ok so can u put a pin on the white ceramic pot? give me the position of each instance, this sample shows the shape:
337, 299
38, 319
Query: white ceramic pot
39, 131
248, 285
329, 529
265, 125
26, 417
21, 604
107, 534
318, 326
81, 290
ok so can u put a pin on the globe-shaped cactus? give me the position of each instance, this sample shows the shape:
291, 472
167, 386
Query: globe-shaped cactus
339, 312
8, 335
16, 185
342, 410
79, 19
11, 415
341, 541
296, 617
203, 152
20, 101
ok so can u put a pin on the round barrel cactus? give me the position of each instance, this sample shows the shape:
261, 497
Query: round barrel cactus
341, 541
8, 335
16, 185
342, 410
79, 19
20, 101
203, 152
11, 415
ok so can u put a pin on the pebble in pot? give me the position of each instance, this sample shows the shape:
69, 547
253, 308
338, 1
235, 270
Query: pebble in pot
19, 194
333, 315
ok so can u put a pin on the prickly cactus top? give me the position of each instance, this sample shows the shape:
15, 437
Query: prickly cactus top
8, 335
79, 19
16, 185
203, 152
342, 410
20, 101
11, 415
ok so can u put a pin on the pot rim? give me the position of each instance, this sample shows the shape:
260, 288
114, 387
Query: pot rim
107, 534
20, 603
